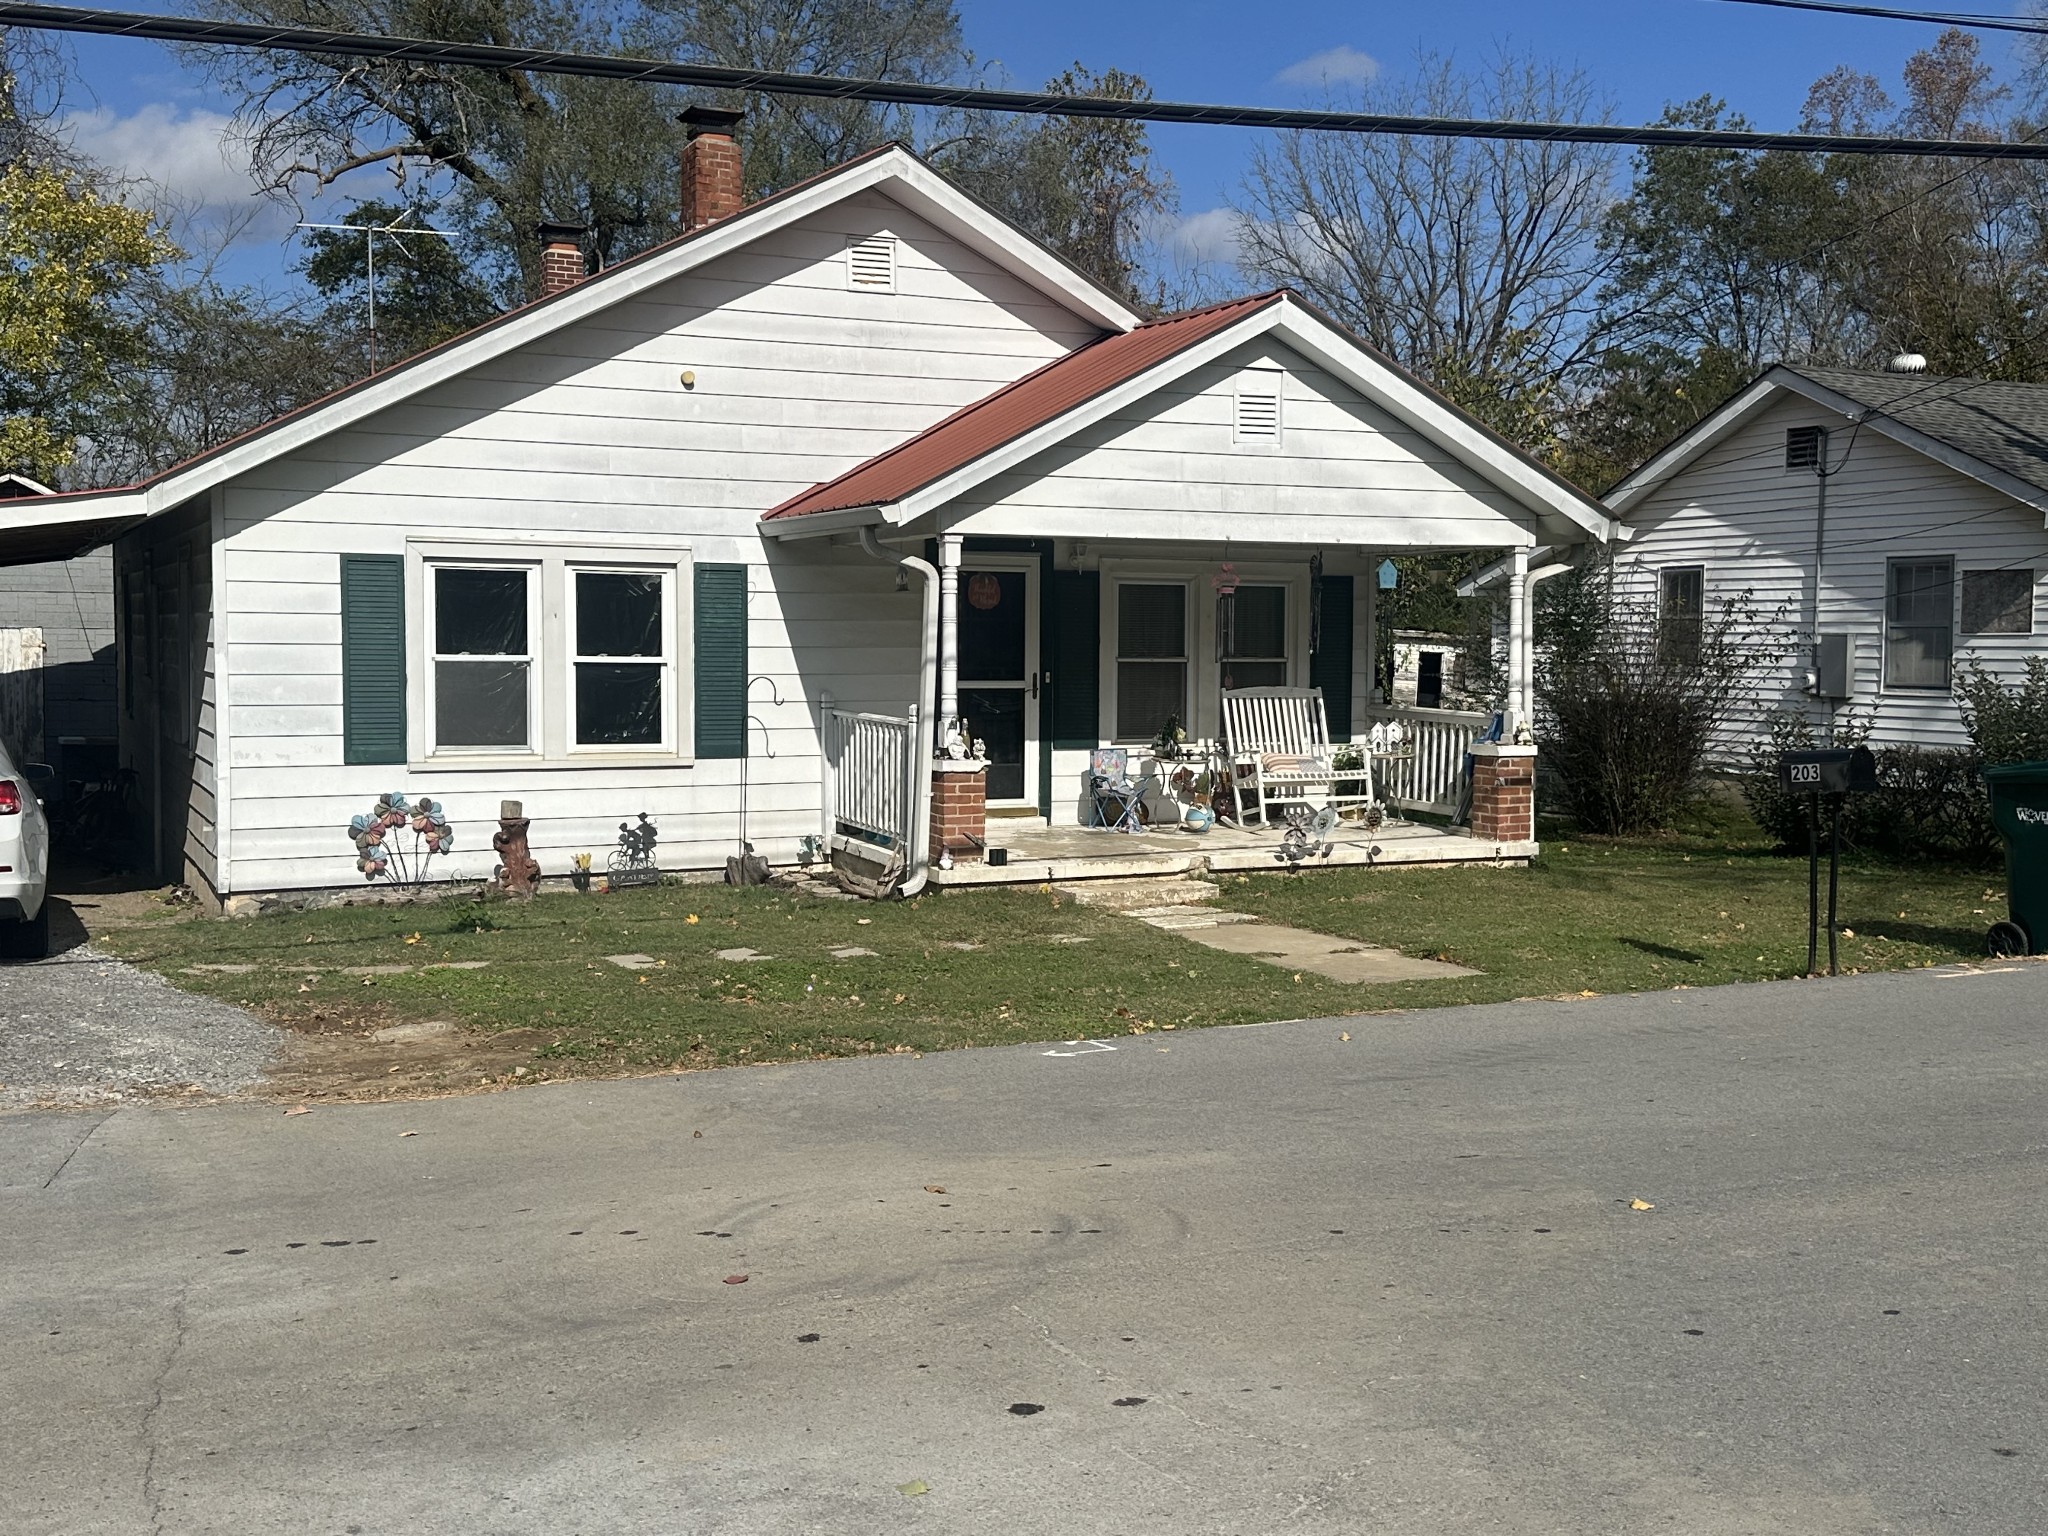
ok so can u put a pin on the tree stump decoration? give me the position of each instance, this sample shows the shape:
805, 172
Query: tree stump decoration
517, 872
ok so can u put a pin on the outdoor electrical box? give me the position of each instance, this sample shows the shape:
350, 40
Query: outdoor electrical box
1834, 667
1829, 771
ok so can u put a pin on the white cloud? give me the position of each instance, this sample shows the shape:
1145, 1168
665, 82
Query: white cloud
190, 154
1208, 238
1341, 65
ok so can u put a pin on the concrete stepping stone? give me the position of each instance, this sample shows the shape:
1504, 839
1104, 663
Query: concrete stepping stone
852, 952
738, 955
960, 944
631, 962
1296, 949
1179, 919
375, 970
222, 970
458, 965
1070, 938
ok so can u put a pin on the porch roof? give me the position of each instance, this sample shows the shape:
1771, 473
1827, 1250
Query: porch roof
1002, 430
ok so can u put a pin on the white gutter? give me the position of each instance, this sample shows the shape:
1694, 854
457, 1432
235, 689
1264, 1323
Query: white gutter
918, 871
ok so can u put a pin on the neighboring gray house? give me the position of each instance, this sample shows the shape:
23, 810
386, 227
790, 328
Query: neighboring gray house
1891, 526
72, 603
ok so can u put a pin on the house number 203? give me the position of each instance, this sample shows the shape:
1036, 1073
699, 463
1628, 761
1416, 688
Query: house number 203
1806, 773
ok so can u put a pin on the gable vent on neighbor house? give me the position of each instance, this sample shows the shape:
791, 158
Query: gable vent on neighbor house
1258, 412
1803, 447
871, 263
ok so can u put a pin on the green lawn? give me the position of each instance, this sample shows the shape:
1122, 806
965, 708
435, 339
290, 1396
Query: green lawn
1589, 917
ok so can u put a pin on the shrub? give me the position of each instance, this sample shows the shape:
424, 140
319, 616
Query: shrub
1628, 712
2007, 721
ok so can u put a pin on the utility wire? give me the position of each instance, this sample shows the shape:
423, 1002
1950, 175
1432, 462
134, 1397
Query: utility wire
1969, 19
193, 30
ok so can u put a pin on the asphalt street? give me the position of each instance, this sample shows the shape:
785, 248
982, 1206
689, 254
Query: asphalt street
1239, 1281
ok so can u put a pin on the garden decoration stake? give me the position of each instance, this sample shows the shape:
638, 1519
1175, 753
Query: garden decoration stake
383, 849
632, 862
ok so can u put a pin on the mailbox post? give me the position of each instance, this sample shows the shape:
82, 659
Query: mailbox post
1836, 772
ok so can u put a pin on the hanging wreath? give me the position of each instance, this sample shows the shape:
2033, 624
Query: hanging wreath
984, 591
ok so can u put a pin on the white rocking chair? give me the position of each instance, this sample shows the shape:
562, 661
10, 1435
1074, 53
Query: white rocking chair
1277, 742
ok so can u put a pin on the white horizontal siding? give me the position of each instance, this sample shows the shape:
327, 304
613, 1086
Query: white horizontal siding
1343, 470
1750, 522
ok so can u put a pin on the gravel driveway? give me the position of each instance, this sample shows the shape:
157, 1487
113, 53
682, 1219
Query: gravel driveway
85, 1028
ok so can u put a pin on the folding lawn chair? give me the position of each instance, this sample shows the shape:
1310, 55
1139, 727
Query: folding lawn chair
1113, 796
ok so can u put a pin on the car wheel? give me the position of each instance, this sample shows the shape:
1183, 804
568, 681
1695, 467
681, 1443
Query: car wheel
28, 940
2005, 939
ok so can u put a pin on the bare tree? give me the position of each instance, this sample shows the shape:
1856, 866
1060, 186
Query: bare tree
1472, 261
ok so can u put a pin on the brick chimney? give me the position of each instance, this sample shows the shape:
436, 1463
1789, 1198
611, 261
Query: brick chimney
561, 257
711, 166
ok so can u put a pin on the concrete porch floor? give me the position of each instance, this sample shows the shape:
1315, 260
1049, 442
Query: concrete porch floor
1041, 853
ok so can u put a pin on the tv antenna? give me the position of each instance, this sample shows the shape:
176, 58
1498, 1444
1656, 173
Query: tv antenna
370, 232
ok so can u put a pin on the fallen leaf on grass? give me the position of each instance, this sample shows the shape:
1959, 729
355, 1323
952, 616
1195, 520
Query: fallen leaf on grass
863, 921
691, 919
300, 1109
912, 1489
412, 938
1641, 1205
1848, 933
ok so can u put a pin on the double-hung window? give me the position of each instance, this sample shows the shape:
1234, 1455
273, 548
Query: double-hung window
1151, 657
483, 620
624, 662
1919, 635
1255, 645
1681, 613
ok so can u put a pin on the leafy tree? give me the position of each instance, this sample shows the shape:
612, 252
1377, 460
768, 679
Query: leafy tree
68, 257
424, 292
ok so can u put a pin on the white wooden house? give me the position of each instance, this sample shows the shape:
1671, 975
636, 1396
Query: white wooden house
657, 541
1886, 527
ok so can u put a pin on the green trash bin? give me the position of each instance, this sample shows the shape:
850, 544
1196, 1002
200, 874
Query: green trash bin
2019, 809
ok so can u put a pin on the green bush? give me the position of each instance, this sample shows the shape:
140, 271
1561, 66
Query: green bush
2007, 721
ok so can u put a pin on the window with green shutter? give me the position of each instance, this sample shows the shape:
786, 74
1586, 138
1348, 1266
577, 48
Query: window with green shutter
372, 659
1073, 642
721, 653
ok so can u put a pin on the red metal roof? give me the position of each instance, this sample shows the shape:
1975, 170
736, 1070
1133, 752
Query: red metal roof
1018, 408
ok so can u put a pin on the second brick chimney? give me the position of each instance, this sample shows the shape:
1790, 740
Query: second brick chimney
711, 166
561, 257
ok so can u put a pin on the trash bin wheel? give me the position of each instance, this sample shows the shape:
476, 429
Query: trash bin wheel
2006, 939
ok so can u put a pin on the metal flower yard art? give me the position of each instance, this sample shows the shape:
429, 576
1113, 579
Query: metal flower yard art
398, 839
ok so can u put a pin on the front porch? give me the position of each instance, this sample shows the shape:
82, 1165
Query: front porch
1035, 853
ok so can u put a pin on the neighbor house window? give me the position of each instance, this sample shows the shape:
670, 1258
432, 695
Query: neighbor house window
1998, 602
1255, 644
1919, 636
1151, 657
1682, 612
482, 621
624, 658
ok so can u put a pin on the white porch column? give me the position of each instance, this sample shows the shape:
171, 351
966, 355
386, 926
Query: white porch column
1518, 642
949, 638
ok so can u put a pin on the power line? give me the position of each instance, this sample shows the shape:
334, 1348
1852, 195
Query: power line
181, 29
1970, 19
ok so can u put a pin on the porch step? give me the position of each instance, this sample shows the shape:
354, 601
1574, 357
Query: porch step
1124, 895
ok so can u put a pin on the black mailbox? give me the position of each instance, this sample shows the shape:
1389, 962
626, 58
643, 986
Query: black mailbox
1830, 771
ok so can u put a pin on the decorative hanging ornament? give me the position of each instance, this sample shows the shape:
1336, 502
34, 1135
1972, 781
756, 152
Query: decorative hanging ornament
984, 591
1225, 579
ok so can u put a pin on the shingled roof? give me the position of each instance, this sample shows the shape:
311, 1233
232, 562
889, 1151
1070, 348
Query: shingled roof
2002, 425
1018, 408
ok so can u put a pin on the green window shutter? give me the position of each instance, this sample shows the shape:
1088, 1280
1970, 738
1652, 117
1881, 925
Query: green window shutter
1330, 667
1073, 648
721, 617
372, 659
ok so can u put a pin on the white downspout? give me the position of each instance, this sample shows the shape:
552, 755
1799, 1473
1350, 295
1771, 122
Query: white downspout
1543, 573
921, 750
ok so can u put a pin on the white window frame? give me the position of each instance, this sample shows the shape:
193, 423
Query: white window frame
670, 724
550, 678
429, 635
1113, 657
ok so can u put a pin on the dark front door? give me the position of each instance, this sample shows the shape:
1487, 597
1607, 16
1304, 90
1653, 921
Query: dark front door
999, 673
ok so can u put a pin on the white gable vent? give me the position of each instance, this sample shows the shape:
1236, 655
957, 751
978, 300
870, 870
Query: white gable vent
1258, 412
871, 263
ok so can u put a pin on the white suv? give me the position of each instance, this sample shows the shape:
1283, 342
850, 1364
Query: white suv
24, 865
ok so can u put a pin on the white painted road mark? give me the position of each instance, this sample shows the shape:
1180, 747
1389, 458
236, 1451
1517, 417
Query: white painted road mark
1092, 1047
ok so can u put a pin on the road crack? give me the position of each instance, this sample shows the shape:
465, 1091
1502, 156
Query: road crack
93, 1131
146, 1431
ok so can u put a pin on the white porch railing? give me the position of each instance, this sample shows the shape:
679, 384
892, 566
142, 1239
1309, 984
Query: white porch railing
869, 791
1432, 778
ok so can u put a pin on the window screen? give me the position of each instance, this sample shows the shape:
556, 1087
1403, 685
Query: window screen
1151, 658
622, 659
1998, 602
1681, 612
1255, 652
1919, 635
482, 660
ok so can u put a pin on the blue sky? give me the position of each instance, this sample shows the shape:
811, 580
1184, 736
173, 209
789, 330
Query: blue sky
139, 108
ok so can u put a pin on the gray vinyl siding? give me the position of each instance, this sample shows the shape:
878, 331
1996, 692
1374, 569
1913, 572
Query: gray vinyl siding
1749, 522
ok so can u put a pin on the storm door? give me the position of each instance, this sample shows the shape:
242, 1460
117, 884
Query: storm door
999, 672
